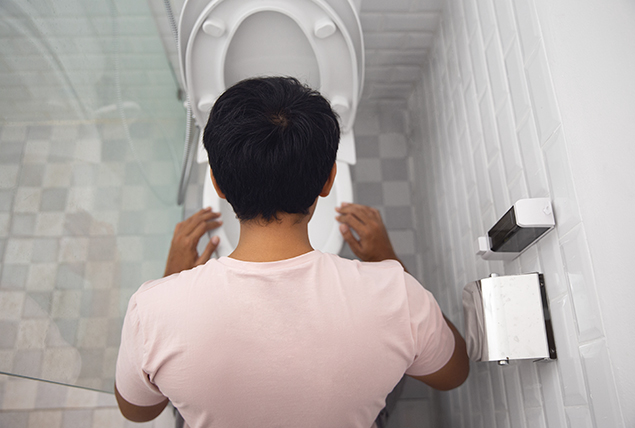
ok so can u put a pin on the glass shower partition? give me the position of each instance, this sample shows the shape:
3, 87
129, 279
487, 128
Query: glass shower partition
91, 136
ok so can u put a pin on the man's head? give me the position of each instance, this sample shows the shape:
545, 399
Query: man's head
271, 144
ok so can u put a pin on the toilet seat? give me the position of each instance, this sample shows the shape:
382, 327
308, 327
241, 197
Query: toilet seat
337, 46
324, 232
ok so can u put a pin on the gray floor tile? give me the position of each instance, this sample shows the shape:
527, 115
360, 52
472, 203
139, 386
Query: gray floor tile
13, 276
23, 224
53, 199
6, 199
14, 419
70, 276
9, 329
102, 248
61, 151
393, 145
11, 153
28, 361
31, 175
396, 193
394, 169
13, 133
107, 198
398, 217
369, 194
367, 170
39, 132
77, 224
45, 250
367, 146
77, 418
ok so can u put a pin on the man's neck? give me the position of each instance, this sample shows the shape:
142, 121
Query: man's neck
284, 238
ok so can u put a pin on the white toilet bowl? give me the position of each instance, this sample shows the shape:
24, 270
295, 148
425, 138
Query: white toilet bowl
317, 41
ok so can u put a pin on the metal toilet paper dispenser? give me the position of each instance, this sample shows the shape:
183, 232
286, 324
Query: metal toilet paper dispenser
507, 318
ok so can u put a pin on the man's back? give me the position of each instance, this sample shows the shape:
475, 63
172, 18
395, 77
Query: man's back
315, 340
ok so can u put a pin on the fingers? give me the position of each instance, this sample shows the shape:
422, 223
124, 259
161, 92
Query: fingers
209, 250
349, 238
189, 225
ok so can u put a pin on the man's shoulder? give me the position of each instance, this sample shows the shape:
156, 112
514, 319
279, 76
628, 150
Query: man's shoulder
384, 265
175, 283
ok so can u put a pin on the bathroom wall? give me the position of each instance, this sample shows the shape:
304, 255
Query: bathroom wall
524, 98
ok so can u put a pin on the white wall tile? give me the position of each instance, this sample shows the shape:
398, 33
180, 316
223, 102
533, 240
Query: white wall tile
506, 22
552, 394
499, 186
552, 266
487, 19
479, 65
490, 131
599, 374
473, 113
384, 40
528, 27
470, 12
482, 178
380, 6
532, 159
529, 384
486, 399
526, 157
509, 141
517, 189
535, 417
579, 417
579, 272
496, 70
371, 22
542, 95
411, 21
498, 389
514, 397
564, 330
565, 204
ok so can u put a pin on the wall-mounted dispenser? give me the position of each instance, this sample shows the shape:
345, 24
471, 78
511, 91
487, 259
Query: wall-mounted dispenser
508, 318
523, 224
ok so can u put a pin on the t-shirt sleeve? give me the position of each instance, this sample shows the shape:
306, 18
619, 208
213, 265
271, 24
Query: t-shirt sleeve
133, 383
433, 339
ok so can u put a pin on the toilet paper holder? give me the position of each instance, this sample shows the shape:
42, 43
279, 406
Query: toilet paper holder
508, 318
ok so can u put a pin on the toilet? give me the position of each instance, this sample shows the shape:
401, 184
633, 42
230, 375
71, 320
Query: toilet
317, 41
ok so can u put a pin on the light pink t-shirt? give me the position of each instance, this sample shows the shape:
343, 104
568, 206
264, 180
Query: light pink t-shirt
312, 341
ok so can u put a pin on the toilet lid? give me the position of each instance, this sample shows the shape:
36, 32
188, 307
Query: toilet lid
234, 39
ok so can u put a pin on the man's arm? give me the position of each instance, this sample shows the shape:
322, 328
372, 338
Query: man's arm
135, 413
455, 371
374, 245
183, 255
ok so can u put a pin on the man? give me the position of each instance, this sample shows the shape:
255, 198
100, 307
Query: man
278, 334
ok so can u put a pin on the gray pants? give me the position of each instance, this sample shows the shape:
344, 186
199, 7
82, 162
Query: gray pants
391, 403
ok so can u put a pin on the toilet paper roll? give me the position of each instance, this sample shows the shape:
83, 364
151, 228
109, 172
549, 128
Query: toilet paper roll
475, 337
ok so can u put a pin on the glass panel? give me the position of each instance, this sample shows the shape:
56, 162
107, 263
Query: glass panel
91, 136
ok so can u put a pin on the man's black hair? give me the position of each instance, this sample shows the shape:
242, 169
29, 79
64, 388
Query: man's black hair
271, 144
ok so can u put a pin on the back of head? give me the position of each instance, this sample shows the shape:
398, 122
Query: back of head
271, 144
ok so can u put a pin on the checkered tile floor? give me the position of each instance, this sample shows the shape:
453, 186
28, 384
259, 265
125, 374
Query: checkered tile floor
82, 223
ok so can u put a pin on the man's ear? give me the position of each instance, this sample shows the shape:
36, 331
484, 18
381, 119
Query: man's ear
329, 182
218, 191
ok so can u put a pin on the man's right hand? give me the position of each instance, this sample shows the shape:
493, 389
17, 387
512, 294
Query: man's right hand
373, 244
